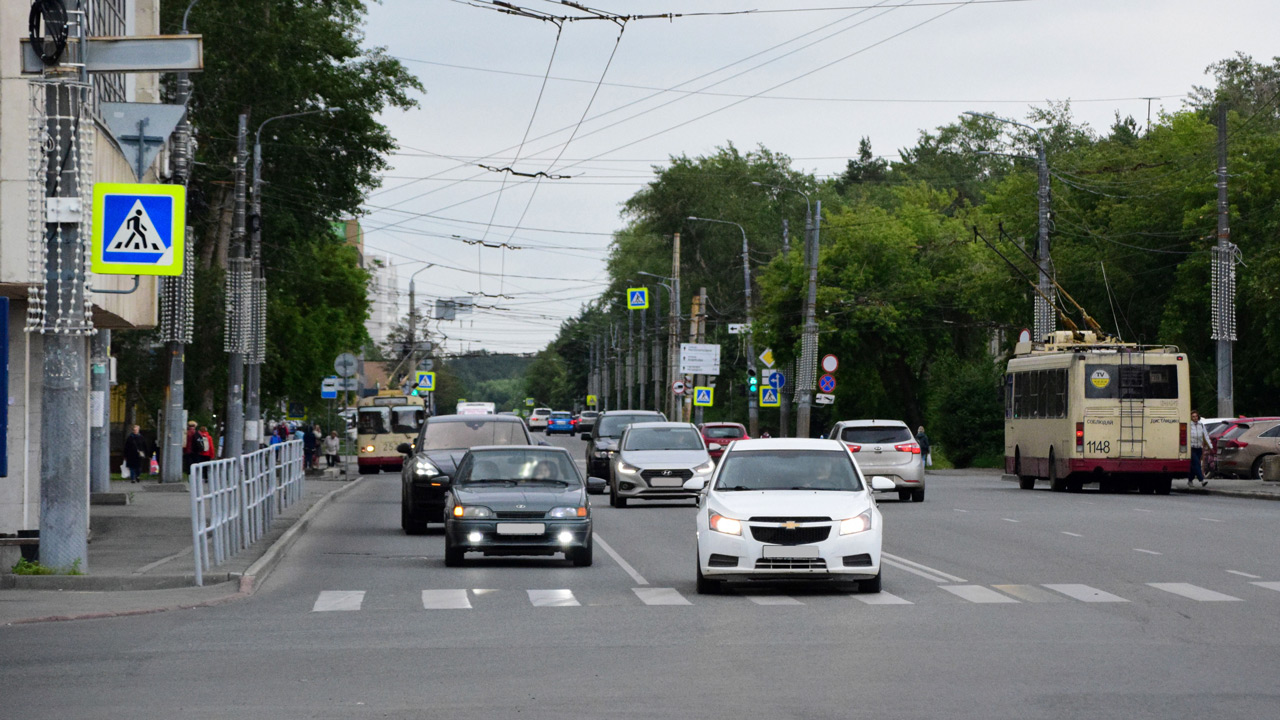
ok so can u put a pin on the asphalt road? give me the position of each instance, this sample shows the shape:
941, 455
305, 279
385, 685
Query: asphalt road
999, 603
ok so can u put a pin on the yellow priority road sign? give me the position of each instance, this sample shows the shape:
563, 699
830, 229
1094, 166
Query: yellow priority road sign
138, 229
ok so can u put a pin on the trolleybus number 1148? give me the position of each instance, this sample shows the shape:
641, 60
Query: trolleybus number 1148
1100, 447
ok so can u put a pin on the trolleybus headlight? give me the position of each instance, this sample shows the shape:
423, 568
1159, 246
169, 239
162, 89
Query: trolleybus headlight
367, 448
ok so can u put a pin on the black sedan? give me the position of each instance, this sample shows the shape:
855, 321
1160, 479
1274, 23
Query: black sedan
442, 442
518, 501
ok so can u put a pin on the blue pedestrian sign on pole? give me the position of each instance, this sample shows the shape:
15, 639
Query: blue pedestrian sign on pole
426, 381
703, 396
638, 298
769, 397
138, 229
827, 384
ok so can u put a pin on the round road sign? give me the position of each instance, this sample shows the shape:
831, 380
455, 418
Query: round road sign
678, 387
827, 383
345, 365
830, 363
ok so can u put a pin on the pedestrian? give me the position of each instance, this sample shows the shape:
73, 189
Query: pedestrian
189, 448
137, 454
319, 435
331, 449
1197, 439
922, 440
309, 446
205, 450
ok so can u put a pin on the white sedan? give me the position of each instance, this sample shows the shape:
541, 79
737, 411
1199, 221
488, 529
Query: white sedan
789, 510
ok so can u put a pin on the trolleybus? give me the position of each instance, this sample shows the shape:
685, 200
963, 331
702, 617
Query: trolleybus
382, 423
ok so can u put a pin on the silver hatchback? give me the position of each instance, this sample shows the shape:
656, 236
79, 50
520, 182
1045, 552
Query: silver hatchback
885, 447
655, 460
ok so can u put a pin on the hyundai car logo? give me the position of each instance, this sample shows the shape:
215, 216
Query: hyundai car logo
666, 473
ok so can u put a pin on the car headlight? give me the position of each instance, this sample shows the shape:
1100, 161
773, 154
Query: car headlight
626, 467
423, 467
726, 525
472, 511
601, 454
860, 523
568, 512
705, 467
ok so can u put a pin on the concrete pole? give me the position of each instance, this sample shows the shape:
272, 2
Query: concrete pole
753, 401
1046, 320
701, 320
100, 407
642, 363
233, 435
784, 394
631, 359
657, 357
253, 410
673, 331
619, 368
807, 366
1225, 259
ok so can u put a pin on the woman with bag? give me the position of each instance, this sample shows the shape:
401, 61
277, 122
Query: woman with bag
137, 453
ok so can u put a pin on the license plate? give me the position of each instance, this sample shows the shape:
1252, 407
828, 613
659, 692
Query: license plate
666, 482
789, 551
521, 528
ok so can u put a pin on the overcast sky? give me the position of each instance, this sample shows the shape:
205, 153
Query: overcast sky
805, 84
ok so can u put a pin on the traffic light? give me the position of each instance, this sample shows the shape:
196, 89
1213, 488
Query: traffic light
753, 382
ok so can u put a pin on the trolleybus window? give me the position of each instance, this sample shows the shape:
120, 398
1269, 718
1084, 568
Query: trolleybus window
373, 421
1036, 394
1131, 382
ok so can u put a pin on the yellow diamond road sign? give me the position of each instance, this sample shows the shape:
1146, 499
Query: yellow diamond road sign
138, 229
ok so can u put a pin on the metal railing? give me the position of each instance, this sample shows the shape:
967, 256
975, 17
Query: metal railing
234, 501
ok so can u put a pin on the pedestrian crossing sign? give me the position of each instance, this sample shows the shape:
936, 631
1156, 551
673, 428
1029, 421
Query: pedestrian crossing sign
138, 229
591, 401
426, 381
638, 298
769, 397
702, 396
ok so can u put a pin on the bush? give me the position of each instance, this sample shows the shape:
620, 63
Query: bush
966, 410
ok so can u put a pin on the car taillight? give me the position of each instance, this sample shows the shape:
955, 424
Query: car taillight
913, 448
853, 448
1182, 437
1235, 444
1079, 437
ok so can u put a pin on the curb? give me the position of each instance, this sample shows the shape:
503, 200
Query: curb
245, 584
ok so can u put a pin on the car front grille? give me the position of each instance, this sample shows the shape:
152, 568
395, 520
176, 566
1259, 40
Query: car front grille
790, 536
520, 514
791, 564
651, 474
861, 560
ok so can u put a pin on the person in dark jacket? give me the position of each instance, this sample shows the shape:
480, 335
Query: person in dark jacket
923, 440
310, 443
137, 454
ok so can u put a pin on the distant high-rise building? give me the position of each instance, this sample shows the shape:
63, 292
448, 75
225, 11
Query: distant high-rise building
384, 287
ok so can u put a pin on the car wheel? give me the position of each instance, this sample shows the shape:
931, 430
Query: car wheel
904, 496
367, 470
705, 586
581, 557
452, 555
870, 586
1164, 486
918, 495
1256, 471
615, 499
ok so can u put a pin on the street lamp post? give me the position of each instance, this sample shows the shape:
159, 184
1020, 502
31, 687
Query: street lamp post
673, 320
753, 410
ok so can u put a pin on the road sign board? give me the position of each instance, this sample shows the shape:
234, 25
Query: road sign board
138, 229
827, 384
329, 388
678, 387
830, 363
350, 384
528, 402
770, 397
637, 298
699, 359
426, 381
766, 357
136, 53
823, 398
703, 396
592, 401
345, 365
738, 328
775, 379
295, 410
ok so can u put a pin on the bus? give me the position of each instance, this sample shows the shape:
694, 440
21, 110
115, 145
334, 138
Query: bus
383, 422
1081, 409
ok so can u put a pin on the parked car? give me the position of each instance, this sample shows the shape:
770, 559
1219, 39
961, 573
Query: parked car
538, 418
1242, 449
602, 445
655, 459
586, 421
789, 510
886, 448
431, 461
518, 501
560, 422
718, 435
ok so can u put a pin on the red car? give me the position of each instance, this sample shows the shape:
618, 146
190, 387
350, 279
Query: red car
721, 433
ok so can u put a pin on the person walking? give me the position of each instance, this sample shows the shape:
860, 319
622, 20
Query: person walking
1197, 440
318, 432
309, 446
922, 440
189, 448
205, 450
331, 449
137, 454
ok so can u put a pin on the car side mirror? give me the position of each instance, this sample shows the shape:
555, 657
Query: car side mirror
714, 446
595, 483
880, 483
695, 483
404, 449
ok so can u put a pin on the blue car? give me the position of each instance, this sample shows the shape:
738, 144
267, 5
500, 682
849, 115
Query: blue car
560, 422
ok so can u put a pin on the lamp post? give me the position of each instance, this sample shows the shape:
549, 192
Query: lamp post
1046, 320
258, 290
673, 331
753, 410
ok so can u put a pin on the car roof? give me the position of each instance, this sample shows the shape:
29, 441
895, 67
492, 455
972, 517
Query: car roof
872, 423
786, 444
661, 424
486, 417
521, 448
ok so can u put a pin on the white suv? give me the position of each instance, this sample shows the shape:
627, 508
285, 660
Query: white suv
538, 419
887, 448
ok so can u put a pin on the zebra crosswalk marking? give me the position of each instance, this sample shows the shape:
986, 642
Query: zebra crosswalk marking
553, 598
882, 598
1084, 593
660, 596
774, 600
1268, 585
336, 600
1030, 593
445, 600
977, 594
1194, 592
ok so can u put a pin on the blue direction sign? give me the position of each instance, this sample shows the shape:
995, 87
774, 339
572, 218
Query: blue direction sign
827, 384
138, 229
703, 396
637, 298
769, 397
777, 380
426, 381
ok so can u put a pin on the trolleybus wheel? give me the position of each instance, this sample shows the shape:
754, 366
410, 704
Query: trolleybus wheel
1056, 483
1026, 482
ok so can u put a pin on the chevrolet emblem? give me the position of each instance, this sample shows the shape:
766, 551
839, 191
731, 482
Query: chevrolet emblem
790, 524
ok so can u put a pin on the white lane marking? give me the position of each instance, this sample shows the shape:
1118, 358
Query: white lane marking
1210, 519
905, 564
927, 576
621, 563
978, 594
445, 600
1245, 574
881, 598
1149, 552
660, 596
1010, 520
1194, 592
553, 598
1084, 593
959, 510
1268, 585
1030, 593
1143, 510
1064, 532
331, 600
773, 600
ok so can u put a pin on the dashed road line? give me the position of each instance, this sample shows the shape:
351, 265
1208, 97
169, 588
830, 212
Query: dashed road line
1010, 520
773, 600
1149, 552
1064, 532
660, 596
881, 598
1268, 585
1030, 593
919, 569
553, 598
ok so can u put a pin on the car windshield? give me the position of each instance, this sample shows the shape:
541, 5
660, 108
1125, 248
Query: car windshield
519, 467
883, 435
677, 438
483, 430
373, 421
723, 432
406, 419
787, 470
611, 426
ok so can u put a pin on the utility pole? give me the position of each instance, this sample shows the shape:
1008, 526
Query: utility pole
1046, 320
238, 298
630, 362
686, 404
806, 368
657, 357
100, 407
1224, 282
784, 393
701, 337
257, 294
619, 363
673, 329
643, 357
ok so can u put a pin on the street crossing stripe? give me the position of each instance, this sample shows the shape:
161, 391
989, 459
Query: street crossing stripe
445, 600
977, 594
881, 598
553, 598
1084, 593
1194, 592
332, 600
660, 596
1029, 593
773, 600
1268, 585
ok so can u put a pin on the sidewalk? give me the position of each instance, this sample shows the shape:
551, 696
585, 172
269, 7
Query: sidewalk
140, 557
1226, 487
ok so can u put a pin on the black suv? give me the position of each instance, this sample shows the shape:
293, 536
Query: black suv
602, 444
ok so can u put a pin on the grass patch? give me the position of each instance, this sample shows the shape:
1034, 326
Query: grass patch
26, 567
